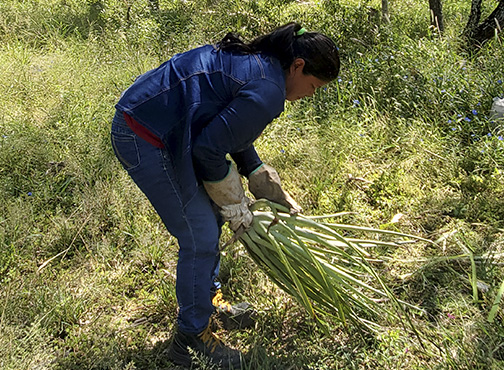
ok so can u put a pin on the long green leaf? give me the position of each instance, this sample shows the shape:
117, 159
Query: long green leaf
496, 303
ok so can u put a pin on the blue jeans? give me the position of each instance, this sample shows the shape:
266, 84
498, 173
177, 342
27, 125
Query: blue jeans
195, 223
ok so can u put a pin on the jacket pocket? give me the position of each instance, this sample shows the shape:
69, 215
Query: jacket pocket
126, 149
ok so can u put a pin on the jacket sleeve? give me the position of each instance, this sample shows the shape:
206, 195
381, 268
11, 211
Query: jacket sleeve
235, 128
247, 160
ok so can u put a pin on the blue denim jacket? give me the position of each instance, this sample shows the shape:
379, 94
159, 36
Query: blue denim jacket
205, 104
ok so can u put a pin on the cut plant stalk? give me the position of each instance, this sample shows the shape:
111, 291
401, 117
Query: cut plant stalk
330, 275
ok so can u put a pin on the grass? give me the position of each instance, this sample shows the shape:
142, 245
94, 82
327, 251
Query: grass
86, 267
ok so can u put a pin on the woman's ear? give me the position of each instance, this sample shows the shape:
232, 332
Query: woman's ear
298, 63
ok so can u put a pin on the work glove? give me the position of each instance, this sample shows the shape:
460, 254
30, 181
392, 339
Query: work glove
264, 182
228, 194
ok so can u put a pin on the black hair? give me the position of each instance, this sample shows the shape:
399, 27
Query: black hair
319, 52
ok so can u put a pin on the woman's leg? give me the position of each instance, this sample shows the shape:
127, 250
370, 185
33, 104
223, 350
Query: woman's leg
195, 223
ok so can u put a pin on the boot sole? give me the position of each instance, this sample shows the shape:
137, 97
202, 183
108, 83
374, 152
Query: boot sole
183, 359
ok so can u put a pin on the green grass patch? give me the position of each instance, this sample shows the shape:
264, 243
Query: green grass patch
403, 140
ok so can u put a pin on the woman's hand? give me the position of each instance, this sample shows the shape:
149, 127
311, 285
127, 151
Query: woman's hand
228, 194
264, 182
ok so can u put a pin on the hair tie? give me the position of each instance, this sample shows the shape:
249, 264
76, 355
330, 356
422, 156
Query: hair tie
301, 31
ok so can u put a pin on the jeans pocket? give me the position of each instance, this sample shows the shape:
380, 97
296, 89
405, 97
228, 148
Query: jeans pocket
126, 150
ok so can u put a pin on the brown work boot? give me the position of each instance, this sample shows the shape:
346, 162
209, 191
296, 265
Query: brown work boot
186, 346
238, 316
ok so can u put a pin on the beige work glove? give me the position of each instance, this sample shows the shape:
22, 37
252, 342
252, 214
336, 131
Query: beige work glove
264, 182
228, 194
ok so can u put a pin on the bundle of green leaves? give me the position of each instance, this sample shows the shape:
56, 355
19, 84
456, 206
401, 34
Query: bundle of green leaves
324, 266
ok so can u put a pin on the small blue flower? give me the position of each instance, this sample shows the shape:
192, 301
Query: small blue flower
450, 121
467, 119
443, 91
489, 134
454, 129
475, 112
405, 77
377, 60
282, 151
459, 115
499, 81
356, 102
29, 193
500, 137
340, 80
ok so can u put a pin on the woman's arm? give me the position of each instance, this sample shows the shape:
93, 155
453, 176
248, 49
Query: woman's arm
236, 127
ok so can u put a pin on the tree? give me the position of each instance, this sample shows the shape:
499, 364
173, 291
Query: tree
477, 34
436, 15
385, 11
474, 18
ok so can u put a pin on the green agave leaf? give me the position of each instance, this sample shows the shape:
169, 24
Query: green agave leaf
328, 274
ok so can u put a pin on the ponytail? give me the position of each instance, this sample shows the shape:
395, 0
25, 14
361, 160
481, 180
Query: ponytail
289, 42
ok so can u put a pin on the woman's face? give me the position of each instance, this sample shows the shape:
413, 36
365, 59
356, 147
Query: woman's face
297, 84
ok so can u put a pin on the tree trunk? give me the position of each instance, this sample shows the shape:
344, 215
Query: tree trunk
489, 28
436, 14
474, 19
385, 11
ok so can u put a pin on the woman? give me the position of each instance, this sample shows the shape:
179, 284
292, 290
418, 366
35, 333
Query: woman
172, 131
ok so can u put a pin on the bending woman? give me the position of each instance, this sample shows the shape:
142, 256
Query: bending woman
172, 132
